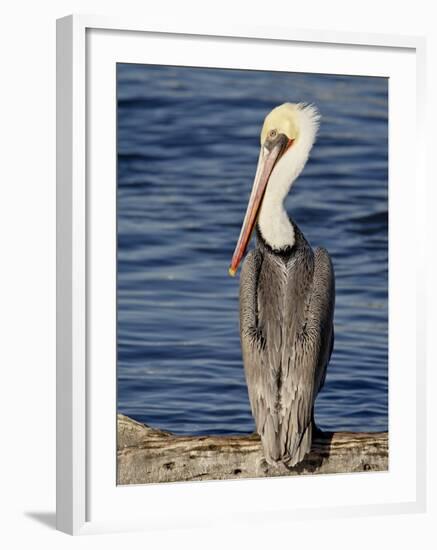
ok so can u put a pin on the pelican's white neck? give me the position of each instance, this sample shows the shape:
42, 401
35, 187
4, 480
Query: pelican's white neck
273, 221
274, 224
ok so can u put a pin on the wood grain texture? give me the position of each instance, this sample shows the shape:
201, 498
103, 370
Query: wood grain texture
148, 455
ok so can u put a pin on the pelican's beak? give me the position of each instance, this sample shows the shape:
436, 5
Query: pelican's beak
268, 157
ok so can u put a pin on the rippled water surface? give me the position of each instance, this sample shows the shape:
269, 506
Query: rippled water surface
188, 143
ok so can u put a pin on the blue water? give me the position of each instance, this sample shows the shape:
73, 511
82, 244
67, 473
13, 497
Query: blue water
188, 143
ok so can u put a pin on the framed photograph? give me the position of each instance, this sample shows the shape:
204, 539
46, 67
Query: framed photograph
240, 308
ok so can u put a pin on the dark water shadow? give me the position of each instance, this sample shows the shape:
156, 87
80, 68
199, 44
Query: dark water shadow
45, 518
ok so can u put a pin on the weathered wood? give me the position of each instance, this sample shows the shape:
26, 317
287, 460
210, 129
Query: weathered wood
147, 455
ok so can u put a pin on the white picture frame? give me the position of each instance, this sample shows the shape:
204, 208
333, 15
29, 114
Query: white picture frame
81, 486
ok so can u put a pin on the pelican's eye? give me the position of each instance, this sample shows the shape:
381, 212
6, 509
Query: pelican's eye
273, 133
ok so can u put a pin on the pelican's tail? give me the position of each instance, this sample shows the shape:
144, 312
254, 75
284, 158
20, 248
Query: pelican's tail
275, 451
302, 449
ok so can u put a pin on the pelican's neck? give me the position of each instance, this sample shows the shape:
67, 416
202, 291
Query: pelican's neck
274, 224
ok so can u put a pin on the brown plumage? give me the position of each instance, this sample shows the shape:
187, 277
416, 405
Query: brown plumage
286, 328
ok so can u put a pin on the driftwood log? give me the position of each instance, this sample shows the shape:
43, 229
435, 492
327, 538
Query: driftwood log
148, 455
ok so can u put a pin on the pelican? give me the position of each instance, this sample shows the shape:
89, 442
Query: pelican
287, 294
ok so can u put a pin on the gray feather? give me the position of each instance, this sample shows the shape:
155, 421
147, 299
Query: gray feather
286, 329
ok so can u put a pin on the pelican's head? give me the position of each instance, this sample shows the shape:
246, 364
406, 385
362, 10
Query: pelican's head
280, 124
287, 136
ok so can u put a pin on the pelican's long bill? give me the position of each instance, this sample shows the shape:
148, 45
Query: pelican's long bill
268, 158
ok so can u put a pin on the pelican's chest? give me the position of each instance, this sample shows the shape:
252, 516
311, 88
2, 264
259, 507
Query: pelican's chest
284, 285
